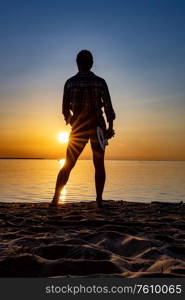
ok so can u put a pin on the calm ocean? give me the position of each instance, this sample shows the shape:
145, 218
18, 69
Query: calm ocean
141, 181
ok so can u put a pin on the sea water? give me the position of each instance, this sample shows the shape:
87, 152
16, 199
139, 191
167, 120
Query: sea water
24, 180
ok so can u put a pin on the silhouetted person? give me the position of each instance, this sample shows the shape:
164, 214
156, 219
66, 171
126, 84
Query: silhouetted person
85, 94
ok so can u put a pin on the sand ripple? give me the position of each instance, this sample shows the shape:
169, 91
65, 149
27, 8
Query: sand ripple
122, 240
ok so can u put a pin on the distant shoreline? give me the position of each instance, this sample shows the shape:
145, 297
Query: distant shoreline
24, 158
44, 158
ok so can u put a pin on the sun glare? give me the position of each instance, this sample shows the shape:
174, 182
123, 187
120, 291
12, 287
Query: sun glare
62, 162
63, 137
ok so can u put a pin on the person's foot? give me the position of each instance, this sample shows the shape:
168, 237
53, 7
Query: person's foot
99, 203
54, 202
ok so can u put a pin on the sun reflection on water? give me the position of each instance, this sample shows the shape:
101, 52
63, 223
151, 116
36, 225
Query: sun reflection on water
63, 195
62, 162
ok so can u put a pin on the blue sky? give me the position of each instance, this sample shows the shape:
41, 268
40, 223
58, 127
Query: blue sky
138, 47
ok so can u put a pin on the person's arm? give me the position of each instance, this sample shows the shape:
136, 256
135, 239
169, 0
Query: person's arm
109, 111
66, 103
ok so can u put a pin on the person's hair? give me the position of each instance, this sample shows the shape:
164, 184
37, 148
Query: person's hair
84, 60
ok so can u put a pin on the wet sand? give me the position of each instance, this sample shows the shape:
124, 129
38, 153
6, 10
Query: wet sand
125, 239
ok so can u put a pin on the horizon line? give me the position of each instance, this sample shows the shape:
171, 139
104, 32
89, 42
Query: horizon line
130, 159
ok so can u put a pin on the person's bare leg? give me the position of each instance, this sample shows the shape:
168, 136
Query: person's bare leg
100, 176
73, 151
62, 179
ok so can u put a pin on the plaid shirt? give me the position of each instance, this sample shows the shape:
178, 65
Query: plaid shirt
85, 93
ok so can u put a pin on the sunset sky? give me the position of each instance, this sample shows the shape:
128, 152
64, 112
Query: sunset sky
138, 47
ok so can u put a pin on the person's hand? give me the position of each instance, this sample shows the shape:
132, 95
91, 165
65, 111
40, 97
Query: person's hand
69, 119
110, 133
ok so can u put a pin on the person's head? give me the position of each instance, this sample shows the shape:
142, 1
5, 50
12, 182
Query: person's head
84, 60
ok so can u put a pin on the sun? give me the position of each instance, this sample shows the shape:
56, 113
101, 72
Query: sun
63, 137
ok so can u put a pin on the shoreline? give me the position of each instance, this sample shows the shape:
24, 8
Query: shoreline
125, 239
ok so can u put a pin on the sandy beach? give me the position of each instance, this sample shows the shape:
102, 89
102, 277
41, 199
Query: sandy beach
125, 239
